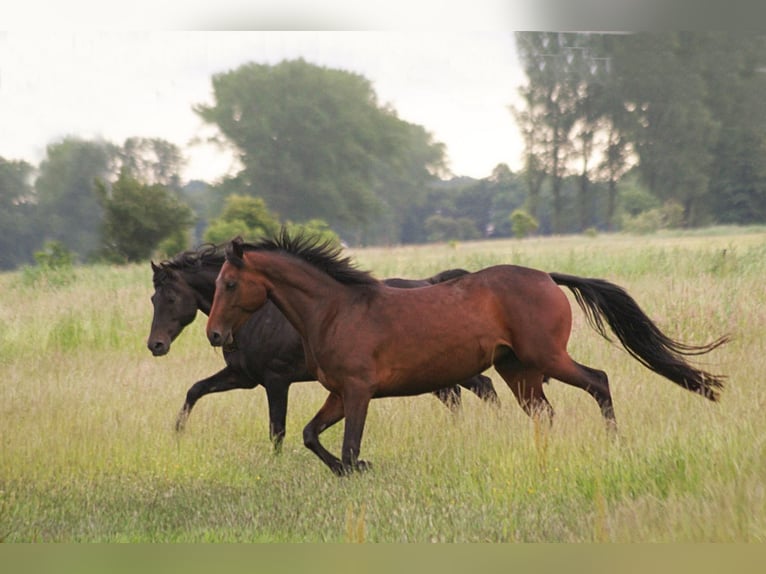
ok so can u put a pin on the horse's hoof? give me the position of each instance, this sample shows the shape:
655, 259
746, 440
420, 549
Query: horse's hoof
347, 469
363, 466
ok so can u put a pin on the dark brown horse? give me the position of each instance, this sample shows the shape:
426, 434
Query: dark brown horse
367, 340
268, 350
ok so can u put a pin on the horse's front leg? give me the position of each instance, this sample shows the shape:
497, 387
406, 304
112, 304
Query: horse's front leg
356, 400
329, 414
224, 380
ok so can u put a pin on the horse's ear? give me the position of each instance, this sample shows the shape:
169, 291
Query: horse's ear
235, 250
237, 245
155, 268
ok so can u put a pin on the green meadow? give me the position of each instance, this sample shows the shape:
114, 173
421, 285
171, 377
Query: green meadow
88, 450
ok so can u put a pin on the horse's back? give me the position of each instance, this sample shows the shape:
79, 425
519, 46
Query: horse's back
473, 316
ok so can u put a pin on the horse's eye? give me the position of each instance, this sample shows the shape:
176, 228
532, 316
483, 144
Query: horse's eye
230, 285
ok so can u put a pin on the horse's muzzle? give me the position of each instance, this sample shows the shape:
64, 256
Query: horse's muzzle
218, 339
158, 348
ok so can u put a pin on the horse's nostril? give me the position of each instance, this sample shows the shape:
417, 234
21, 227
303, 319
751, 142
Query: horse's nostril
157, 347
216, 338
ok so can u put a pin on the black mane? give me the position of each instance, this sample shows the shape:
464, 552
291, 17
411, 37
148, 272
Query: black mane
206, 256
323, 255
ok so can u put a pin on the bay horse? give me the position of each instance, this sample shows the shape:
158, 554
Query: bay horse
366, 340
268, 350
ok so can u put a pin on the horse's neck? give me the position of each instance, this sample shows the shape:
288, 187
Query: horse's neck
300, 291
203, 284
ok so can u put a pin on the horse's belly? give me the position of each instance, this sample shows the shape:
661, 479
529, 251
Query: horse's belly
412, 377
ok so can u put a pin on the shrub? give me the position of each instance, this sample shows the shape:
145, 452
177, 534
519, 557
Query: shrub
443, 228
522, 223
55, 266
669, 216
314, 228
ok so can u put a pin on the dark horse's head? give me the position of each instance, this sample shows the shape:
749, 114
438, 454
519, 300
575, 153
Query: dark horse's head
181, 287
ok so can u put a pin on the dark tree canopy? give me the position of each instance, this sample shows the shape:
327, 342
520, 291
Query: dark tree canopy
137, 217
17, 213
69, 210
684, 109
316, 143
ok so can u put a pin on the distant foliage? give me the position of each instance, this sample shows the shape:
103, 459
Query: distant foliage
55, 266
315, 228
669, 216
522, 223
18, 213
444, 228
70, 211
683, 111
316, 143
138, 217
54, 255
250, 218
243, 216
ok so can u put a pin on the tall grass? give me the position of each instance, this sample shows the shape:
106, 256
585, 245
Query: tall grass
88, 451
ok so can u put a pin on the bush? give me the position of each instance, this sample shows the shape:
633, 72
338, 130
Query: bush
669, 216
54, 255
522, 223
442, 228
55, 266
138, 217
248, 217
314, 228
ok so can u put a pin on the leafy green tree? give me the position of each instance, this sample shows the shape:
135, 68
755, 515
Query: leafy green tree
673, 129
445, 228
152, 160
682, 108
137, 217
635, 198
244, 216
314, 228
69, 208
18, 214
315, 143
522, 223
551, 98
735, 83
401, 184
508, 193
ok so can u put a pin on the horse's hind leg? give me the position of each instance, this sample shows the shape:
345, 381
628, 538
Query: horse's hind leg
592, 381
526, 384
450, 396
481, 386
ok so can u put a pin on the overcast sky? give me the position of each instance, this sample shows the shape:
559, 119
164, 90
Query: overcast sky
118, 84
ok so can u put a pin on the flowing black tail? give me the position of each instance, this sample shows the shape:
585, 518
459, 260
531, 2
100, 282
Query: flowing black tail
639, 335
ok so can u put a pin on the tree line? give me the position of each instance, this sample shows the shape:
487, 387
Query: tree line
629, 131
679, 113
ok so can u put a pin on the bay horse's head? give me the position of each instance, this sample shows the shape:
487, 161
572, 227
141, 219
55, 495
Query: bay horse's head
239, 292
175, 307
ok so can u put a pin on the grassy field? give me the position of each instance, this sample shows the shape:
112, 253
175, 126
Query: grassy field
88, 451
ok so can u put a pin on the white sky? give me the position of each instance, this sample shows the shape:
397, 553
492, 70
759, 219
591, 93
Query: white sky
116, 84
